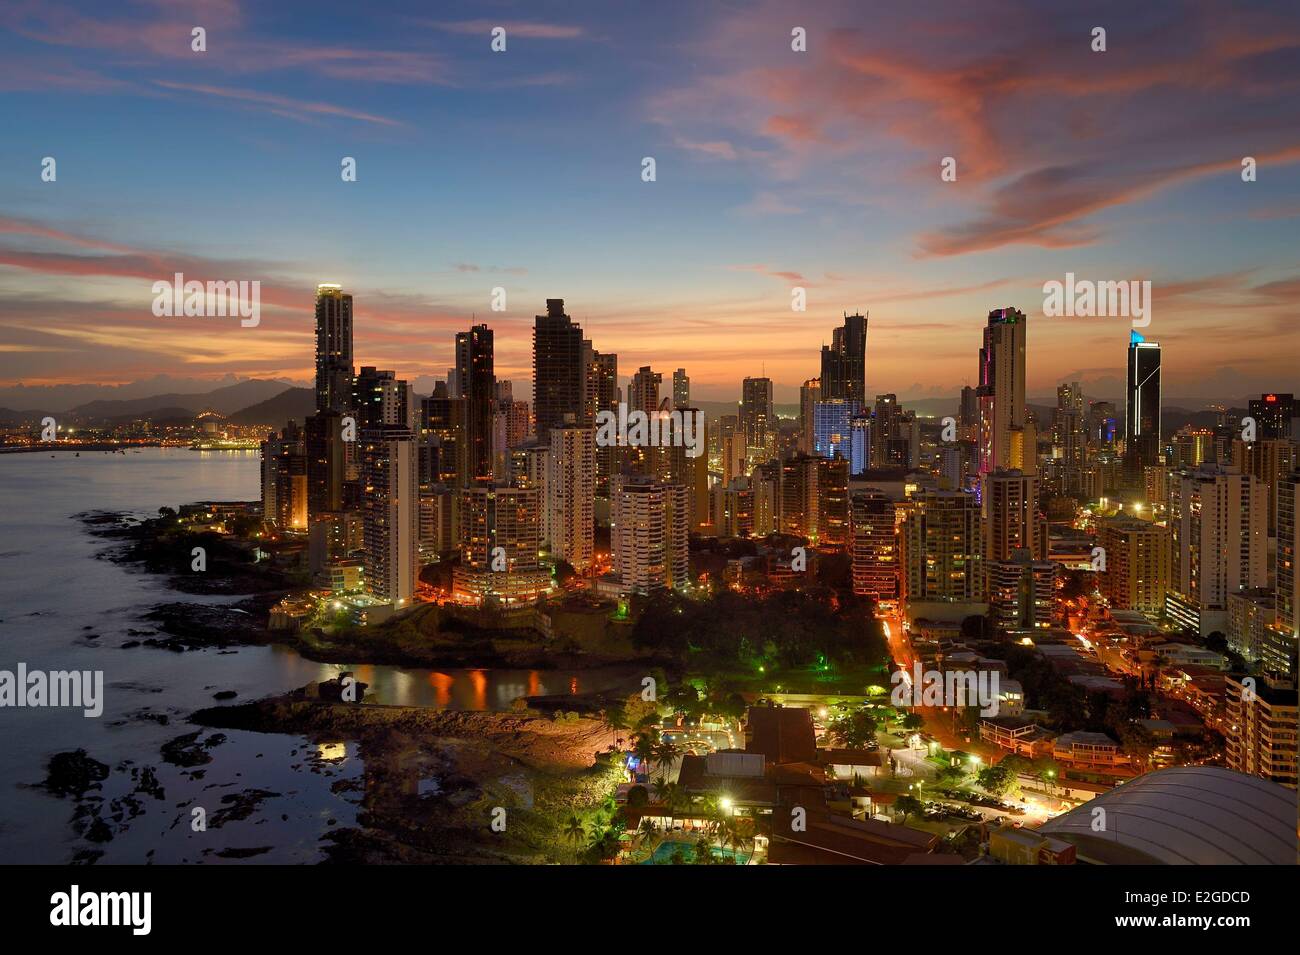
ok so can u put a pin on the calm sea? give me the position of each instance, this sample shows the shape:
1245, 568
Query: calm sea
55, 593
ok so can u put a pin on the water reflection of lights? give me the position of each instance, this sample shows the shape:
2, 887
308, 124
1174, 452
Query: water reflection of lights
332, 751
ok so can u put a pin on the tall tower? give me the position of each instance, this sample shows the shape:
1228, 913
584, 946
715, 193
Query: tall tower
474, 371
392, 515
570, 506
681, 389
333, 348
757, 417
1001, 390
844, 361
559, 376
1142, 405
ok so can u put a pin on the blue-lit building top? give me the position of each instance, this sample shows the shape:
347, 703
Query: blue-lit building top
831, 427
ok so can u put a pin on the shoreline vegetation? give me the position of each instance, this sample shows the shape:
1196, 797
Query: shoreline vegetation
448, 786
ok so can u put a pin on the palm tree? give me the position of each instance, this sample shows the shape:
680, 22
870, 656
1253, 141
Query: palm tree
644, 748
614, 719
574, 833
666, 751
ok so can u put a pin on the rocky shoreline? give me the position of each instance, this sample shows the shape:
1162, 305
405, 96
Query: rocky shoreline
445, 786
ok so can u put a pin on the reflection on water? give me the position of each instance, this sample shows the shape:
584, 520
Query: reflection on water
62, 608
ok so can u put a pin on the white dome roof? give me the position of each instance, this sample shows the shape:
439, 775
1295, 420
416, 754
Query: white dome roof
1188, 815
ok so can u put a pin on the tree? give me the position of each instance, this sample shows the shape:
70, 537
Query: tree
999, 780
574, 832
855, 730
913, 721
908, 805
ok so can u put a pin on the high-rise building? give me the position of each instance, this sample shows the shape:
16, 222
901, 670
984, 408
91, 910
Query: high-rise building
643, 390
832, 502
831, 418
284, 479
1021, 590
1219, 526
941, 548
475, 372
390, 502
810, 392
327, 461
333, 348
500, 534
860, 442
1001, 390
873, 546
1011, 519
844, 362
1270, 460
733, 509
1142, 406
559, 374
1138, 563
681, 389
1260, 728
649, 534
1273, 414
1288, 551
798, 506
757, 416
380, 397
569, 526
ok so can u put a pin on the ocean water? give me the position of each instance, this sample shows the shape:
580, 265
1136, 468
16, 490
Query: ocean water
55, 592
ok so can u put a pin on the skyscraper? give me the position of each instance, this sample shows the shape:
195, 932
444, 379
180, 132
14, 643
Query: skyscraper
1219, 524
499, 538
1138, 563
390, 502
844, 362
941, 548
1272, 413
681, 389
477, 378
872, 544
559, 374
571, 494
831, 418
1010, 509
1142, 406
810, 392
649, 534
757, 417
1288, 551
333, 348
643, 390
1001, 391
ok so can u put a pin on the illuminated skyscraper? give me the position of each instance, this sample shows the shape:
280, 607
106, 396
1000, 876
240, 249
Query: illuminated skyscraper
873, 545
1142, 406
649, 533
390, 502
333, 348
757, 417
571, 495
1001, 392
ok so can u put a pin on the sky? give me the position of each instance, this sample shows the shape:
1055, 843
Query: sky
775, 168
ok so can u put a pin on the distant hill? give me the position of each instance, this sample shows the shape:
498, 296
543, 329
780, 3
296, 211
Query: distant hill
275, 412
224, 400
